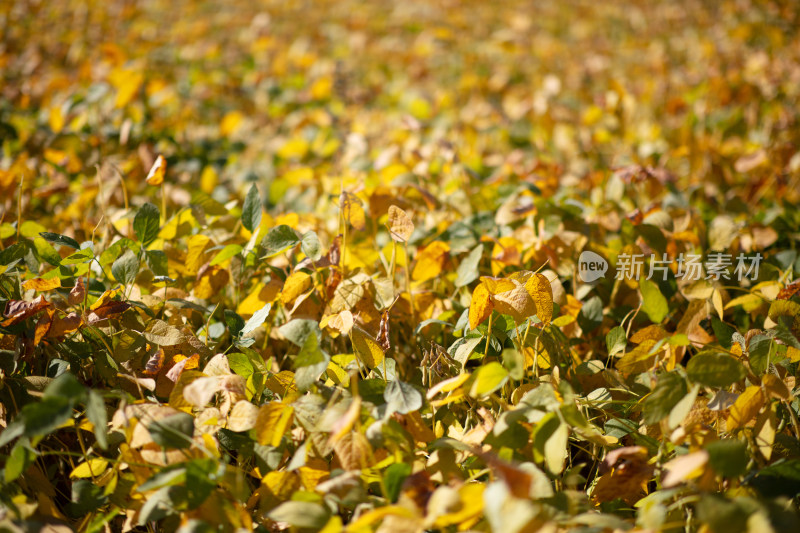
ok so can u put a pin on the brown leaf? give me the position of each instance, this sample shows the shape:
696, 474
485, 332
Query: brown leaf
625, 471
78, 293
63, 325
108, 310
383, 332
18, 310
789, 291
353, 451
154, 364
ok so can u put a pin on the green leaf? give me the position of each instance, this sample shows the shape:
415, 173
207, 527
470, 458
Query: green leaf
13, 253
669, 390
310, 363
78, 257
468, 269
45, 251
234, 322
301, 514
240, 364
160, 504
278, 240
762, 351
723, 332
97, 415
173, 431
125, 268
402, 397
257, 319
722, 515
514, 362
63, 240
311, 246
66, 386
616, 341
298, 330
157, 262
251, 211
393, 480
781, 478
550, 442
488, 379
18, 461
591, 314
45, 416
146, 223
715, 369
653, 302
728, 457
226, 253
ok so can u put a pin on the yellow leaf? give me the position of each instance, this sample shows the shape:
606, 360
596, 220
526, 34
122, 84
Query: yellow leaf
745, 408
321, 88
366, 520
208, 179
448, 385
400, 225
296, 284
639, 359
342, 322
516, 302
469, 506
281, 484
366, 349
91, 468
42, 285
775, 387
430, 261
157, 171
230, 123
497, 285
273, 420
104, 299
260, 295
480, 307
684, 468
347, 421
282, 383
538, 286
56, 119
294, 149
507, 251
195, 257
338, 375
352, 210
210, 281
764, 431
314, 471
127, 83
243, 416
